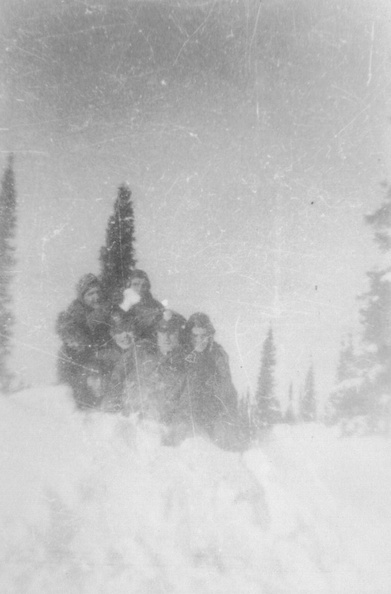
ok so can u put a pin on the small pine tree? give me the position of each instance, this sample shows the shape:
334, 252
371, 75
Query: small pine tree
244, 405
290, 416
267, 410
7, 268
244, 414
345, 402
117, 257
308, 404
347, 360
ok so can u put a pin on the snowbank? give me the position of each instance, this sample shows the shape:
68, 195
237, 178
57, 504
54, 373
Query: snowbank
92, 503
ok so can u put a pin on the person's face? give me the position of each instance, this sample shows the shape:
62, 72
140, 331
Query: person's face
167, 341
139, 285
199, 339
91, 297
123, 339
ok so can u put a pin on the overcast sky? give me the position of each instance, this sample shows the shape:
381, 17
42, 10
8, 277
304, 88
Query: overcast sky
254, 137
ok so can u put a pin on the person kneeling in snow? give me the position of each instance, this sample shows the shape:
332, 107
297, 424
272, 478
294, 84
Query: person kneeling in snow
126, 364
168, 379
83, 329
209, 402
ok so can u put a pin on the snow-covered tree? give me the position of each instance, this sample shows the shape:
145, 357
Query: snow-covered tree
345, 402
308, 403
376, 322
7, 269
290, 416
245, 415
380, 221
347, 360
244, 406
117, 257
267, 408
361, 400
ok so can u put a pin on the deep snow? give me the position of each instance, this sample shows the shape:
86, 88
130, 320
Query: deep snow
93, 503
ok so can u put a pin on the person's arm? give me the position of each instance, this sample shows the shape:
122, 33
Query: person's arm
228, 391
71, 329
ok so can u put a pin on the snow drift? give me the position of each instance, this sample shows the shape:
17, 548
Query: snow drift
94, 503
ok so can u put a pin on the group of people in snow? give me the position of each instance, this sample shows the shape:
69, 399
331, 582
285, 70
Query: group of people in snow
136, 356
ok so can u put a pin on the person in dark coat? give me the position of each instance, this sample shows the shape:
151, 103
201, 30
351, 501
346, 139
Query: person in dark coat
139, 305
83, 329
126, 365
209, 402
168, 379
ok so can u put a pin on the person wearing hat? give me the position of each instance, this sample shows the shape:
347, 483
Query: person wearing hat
169, 375
83, 329
126, 364
139, 305
209, 401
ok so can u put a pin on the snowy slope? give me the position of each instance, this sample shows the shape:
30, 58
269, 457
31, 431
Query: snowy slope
92, 503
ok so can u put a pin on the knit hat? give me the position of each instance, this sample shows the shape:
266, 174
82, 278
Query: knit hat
200, 320
137, 273
86, 282
120, 323
170, 321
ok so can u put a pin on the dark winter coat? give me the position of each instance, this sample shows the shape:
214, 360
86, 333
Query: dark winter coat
82, 327
83, 331
126, 375
145, 315
167, 383
210, 397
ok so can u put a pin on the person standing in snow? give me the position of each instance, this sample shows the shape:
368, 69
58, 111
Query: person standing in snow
140, 306
126, 365
209, 402
83, 329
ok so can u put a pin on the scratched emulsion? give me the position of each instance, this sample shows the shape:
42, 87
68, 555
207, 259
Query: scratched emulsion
253, 135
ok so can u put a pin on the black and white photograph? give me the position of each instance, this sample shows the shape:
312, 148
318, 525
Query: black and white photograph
195, 297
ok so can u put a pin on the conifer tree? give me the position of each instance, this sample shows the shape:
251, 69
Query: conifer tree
308, 404
361, 400
267, 411
117, 257
347, 360
376, 324
244, 414
7, 268
345, 402
244, 405
290, 416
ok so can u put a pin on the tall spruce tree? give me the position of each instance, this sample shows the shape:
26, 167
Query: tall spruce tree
117, 257
376, 310
7, 269
267, 410
308, 403
376, 324
361, 400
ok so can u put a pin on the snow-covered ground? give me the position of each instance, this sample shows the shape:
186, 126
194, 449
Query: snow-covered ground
91, 503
